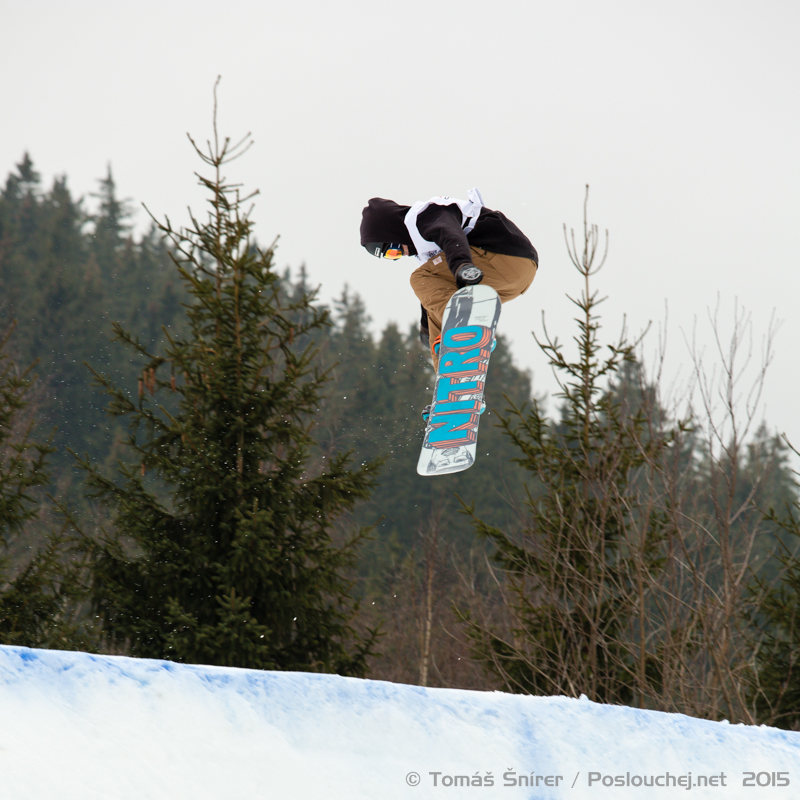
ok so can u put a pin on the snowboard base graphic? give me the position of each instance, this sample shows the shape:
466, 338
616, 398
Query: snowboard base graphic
451, 435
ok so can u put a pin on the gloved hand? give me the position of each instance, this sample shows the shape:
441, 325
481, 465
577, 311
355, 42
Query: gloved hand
467, 275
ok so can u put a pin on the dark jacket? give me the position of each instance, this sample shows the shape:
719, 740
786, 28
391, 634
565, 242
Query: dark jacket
383, 221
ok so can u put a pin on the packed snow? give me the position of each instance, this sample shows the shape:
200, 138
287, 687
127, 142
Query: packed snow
74, 725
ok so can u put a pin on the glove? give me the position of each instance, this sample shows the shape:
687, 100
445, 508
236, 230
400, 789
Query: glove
467, 275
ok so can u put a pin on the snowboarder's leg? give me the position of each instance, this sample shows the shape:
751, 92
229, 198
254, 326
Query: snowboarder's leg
509, 276
434, 284
424, 333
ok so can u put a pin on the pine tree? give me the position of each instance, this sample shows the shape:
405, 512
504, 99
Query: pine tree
223, 546
775, 692
574, 574
20, 219
38, 590
64, 282
23, 466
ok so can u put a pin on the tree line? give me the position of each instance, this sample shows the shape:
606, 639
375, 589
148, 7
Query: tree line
230, 471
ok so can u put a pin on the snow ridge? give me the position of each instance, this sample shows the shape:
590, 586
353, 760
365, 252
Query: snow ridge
74, 725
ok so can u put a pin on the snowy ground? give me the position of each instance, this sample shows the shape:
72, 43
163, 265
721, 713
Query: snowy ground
79, 726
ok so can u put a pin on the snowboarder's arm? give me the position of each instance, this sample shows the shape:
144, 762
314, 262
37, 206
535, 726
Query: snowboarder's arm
442, 225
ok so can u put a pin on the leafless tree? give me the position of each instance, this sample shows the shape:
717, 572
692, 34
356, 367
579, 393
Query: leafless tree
628, 579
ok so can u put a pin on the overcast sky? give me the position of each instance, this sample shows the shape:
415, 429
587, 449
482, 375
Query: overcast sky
684, 118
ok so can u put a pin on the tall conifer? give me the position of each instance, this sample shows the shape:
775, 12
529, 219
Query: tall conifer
38, 585
223, 546
590, 538
775, 689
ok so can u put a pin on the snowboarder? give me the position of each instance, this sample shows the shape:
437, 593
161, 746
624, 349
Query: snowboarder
457, 243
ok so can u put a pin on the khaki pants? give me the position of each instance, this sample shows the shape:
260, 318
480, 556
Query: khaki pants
434, 284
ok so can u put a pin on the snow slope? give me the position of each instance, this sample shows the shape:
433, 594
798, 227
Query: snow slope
74, 725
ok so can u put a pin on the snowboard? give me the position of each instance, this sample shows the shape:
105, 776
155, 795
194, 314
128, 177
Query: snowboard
451, 434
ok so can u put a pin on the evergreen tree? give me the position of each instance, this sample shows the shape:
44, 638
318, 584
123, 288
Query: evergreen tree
19, 244
223, 548
776, 676
110, 224
37, 591
590, 541
64, 280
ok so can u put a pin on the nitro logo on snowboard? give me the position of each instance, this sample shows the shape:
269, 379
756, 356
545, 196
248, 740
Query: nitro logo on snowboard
463, 364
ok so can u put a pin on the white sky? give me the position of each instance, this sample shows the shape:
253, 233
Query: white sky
683, 117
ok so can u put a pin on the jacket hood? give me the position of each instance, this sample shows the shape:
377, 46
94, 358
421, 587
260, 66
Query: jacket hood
384, 221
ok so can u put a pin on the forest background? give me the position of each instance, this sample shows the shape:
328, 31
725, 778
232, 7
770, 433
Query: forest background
67, 274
